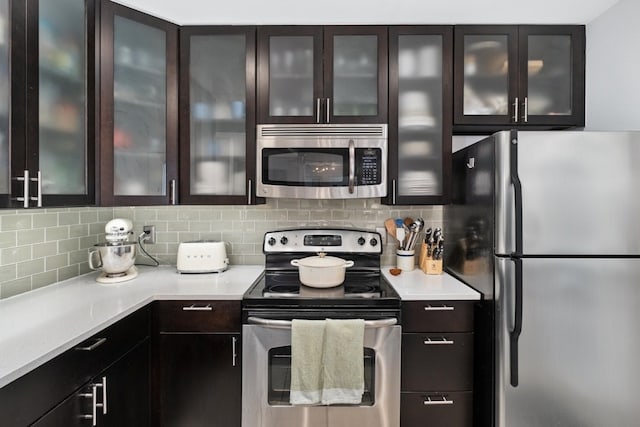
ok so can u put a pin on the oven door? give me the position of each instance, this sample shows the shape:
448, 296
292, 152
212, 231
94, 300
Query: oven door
266, 363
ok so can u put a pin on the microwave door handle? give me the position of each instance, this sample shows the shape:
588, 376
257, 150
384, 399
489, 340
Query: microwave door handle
352, 166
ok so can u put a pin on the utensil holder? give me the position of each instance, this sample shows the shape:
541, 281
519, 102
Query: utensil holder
406, 259
426, 262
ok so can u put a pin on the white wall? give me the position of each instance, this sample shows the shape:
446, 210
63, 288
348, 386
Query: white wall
613, 68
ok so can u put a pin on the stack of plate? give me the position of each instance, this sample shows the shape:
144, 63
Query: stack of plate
419, 183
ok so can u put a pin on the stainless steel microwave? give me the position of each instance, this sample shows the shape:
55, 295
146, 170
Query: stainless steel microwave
322, 161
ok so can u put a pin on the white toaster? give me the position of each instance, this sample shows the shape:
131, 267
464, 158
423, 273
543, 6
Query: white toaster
202, 256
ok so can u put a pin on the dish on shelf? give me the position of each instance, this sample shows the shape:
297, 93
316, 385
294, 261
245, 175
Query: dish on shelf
415, 148
416, 183
534, 66
417, 121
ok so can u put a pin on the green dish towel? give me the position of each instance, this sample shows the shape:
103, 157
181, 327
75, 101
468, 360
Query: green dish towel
307, 341
343, 360
327, 362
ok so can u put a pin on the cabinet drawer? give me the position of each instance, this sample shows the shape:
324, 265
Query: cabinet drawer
198, 316
447, 409
437, 361
437, 316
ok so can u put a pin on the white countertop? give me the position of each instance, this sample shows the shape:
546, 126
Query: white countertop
37, 326
417, 286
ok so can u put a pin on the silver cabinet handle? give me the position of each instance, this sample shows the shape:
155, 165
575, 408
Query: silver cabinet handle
515, 110
249, 189
286, 324
25, 190
103, 386
439, 308
441, 401
38, 181
393, 192
96, 344
526, 109
94, 405
318, 110
194, 307
234, 342
352, 166
328, 109
441, 341
172, 192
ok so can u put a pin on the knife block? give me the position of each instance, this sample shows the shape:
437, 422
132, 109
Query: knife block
427, 264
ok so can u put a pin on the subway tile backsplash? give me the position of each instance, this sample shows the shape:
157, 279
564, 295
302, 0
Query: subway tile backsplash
41, 247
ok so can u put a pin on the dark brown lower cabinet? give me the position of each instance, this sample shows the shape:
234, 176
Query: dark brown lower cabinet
197, 364
437, 364
437, 409
126, 397
61, 392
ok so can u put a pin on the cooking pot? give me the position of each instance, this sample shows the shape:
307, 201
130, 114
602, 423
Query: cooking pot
321, 271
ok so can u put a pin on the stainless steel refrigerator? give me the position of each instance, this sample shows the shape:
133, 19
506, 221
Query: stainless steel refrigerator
546, 225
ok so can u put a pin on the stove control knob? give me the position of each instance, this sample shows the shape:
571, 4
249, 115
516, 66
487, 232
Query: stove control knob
284, 240
361, 241
373, 242
271, 241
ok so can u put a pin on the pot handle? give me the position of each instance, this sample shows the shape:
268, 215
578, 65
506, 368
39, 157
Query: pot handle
348, 264
295, 262
91, 257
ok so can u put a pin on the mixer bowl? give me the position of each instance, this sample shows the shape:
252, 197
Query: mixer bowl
113, 259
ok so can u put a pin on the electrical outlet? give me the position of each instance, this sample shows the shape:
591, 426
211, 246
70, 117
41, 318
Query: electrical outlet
150, 231
383, 234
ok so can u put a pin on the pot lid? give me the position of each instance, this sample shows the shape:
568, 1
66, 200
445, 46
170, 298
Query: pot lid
322, 260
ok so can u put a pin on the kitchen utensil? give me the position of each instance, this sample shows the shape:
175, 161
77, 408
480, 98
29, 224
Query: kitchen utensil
321, 271
400, 231
202, 256
390, 225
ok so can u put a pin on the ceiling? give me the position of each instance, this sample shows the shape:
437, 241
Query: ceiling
260, 12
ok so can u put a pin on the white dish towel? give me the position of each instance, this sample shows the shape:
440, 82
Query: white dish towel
327, 364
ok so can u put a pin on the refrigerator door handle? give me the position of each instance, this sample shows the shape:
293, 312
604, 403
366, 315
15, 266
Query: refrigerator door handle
517, 192
514, 334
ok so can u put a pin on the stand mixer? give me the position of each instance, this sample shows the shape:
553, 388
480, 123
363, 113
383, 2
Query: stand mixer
116, 256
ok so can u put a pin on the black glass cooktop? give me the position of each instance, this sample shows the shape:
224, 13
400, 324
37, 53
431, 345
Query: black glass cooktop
284, 288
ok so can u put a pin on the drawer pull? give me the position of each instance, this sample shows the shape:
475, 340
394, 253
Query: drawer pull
194, 307
441, 401
439, 308
441, 341
93, 346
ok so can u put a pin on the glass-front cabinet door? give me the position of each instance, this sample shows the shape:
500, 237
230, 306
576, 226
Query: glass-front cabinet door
486, 80
5, 104
217, 104
333, 74
519, 76
139, 108
51, 96
355, 87
420, 67
290, 75
552, 74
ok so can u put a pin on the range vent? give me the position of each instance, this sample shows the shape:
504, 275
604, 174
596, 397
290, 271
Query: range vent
323, 130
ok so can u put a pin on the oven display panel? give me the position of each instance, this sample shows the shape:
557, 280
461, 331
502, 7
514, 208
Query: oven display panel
322, 240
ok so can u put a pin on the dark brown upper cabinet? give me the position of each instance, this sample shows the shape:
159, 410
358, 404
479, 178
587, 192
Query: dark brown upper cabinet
331, 74
420, 114
518, 76
47, 103
217, 115
139, 108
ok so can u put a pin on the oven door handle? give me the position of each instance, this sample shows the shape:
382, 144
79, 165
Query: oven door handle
286, 324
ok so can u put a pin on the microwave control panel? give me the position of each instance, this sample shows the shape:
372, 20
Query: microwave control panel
368, 165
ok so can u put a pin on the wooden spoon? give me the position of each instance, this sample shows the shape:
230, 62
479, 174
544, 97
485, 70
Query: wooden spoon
390, 225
